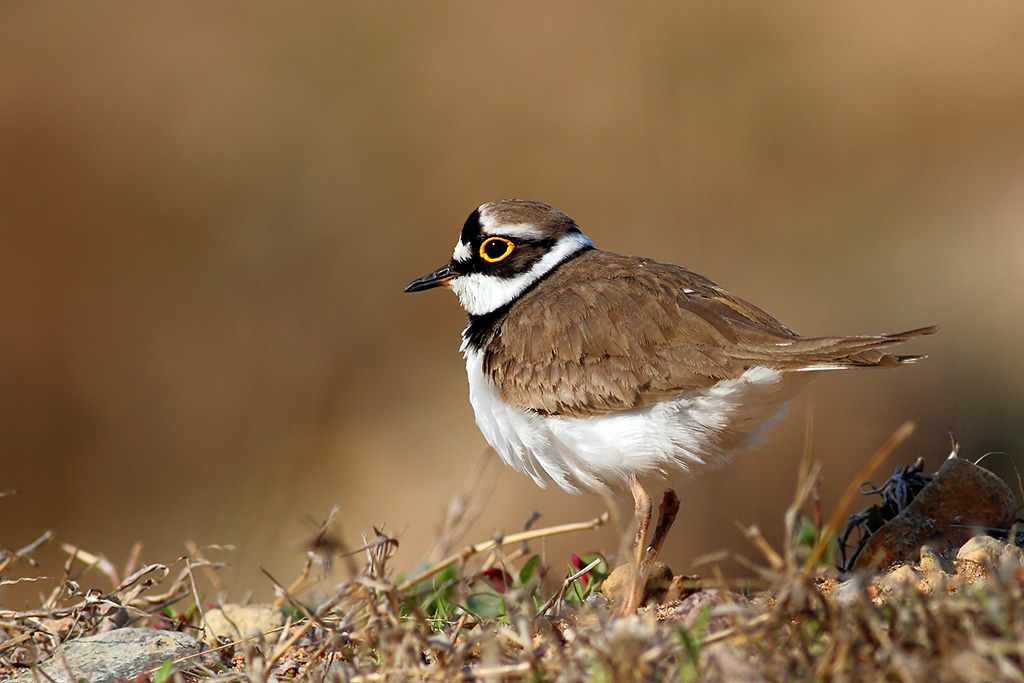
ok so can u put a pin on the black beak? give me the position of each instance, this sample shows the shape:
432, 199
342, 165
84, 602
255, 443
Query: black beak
441, 276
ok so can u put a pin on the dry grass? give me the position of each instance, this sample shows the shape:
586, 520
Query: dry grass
492, 612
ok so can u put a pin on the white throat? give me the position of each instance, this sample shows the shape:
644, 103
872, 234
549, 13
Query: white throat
480, 294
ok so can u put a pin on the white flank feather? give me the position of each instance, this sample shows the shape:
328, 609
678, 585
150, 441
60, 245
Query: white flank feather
699, 428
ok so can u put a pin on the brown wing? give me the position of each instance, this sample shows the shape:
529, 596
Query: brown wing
641, 332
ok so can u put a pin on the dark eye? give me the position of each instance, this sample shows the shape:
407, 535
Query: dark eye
496, 249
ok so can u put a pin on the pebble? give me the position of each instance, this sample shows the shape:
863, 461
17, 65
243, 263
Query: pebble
846, 593
238, 621
617, 585
119, 655
989, 552
932, 563
900, 577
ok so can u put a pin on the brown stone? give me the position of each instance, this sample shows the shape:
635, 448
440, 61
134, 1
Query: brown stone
962, 500
238, 621
619, 582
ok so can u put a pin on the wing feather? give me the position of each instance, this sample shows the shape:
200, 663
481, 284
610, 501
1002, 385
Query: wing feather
641, 332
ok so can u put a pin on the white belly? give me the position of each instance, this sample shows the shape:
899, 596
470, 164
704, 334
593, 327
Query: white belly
700, 428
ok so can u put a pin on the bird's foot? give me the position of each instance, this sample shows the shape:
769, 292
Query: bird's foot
646, 554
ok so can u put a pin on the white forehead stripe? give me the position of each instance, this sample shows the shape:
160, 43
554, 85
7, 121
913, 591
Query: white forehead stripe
479, 293
489, 226
462, 252
521, 231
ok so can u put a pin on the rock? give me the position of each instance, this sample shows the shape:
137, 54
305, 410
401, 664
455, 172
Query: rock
936, 570
681, 586
658, 583
120, 655
901, 577
238, 621
932, 563
989, 552
962, 498
848, 592
619, 582
616, 585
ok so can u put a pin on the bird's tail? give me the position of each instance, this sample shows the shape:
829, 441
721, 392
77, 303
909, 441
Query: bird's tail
836, 353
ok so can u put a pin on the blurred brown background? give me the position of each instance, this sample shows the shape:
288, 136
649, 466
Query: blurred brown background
208, 213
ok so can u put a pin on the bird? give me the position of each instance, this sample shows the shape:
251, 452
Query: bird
592, 369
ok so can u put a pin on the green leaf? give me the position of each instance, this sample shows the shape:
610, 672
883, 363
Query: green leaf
164, 672
528, 571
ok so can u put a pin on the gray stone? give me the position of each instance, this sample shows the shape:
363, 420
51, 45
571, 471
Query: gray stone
120, 655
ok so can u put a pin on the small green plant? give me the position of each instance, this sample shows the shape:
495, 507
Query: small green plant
164, 673
595, 568
689, 664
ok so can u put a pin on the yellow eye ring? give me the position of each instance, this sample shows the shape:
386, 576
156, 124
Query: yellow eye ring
494, 249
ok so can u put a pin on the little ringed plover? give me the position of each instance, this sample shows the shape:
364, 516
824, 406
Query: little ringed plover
589, 368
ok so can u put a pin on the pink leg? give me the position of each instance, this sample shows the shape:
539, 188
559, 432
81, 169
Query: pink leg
645, 555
